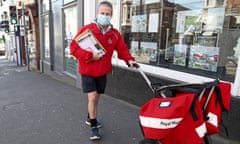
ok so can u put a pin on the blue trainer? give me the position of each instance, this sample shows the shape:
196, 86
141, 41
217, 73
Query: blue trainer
94, 134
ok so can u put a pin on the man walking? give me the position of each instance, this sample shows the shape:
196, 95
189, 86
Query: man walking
94, 66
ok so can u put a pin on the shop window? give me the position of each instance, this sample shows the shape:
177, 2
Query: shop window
194, 36
67, 1
70, 28
128, 13
214, 3
46, 38
45, 5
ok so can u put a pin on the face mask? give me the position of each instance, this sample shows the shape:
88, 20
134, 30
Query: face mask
103, 20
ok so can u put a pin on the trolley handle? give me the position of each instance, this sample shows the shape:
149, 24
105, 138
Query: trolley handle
171, 90
151, 86
189, 86
135, 65
183, 85
167, 91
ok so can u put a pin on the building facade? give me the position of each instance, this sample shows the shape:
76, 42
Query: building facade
22, 32
174, 41
180, 41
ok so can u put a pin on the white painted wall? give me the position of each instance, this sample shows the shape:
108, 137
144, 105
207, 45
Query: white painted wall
236, 85
89, 11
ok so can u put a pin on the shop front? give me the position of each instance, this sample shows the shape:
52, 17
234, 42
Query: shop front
199, 37
172, 40
175, 41
31, 21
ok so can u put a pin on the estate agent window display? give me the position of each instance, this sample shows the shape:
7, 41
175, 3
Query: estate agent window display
184, 35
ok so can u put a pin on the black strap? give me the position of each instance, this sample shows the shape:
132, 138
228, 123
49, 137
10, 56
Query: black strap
192, 109
206, 140
219, 98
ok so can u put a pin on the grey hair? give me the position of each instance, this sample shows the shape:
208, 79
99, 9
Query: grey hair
107, 3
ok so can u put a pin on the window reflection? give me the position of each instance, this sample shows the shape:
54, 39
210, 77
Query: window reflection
45, 5
70, 28
199, 36
67, 1
46, 38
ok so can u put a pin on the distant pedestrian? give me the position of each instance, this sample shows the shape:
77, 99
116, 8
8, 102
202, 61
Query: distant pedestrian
94, 66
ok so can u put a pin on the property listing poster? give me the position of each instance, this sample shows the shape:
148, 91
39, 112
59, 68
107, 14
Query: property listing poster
153, 22
148, 51
136, 2
189, 21
135, 48
180, 53
204, 57
215, 19
151, 1
139, 23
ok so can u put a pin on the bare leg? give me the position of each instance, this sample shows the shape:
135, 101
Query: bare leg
93, 98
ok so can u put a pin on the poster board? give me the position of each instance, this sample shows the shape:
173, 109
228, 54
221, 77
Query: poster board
189, 21
153, 22
180, 54
139, 23
204, 57
215, 19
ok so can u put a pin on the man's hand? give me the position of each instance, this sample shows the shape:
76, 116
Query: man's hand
96, 56
132, 64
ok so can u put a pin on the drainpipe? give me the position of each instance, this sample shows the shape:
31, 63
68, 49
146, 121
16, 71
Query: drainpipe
25, 36
40, 34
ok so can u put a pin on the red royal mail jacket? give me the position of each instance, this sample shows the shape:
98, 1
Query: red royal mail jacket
111, 41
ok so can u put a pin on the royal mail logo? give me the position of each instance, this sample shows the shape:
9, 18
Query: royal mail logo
159, 123
171, 124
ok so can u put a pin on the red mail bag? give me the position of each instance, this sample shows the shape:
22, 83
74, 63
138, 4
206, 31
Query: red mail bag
173, 120
218, 102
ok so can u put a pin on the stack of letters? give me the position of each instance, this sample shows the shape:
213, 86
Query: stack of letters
88, 41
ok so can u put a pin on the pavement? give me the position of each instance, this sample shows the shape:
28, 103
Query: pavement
37, 109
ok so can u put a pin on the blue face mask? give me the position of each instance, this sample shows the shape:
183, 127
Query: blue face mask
103, 20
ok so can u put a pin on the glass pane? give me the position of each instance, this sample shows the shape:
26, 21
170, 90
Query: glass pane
190, 35
46, 38
70, 23
231, 40
45, 5
140, 28
67, 1
115, 17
